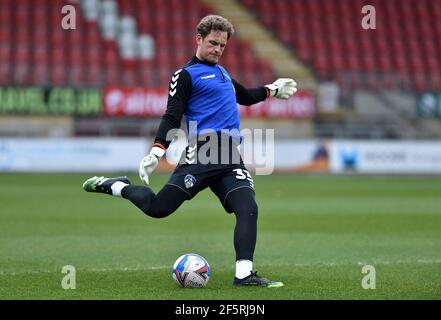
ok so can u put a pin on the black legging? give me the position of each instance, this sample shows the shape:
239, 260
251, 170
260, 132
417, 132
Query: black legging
240, 201
160, 205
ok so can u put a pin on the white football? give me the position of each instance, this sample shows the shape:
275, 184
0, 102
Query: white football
191, 271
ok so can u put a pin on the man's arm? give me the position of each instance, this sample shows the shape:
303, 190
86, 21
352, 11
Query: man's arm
179, 93
247, 97
282, 88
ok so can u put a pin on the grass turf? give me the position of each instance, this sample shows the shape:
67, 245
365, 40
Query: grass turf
315, 235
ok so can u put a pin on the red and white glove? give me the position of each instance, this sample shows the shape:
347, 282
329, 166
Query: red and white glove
282, 88
149, 163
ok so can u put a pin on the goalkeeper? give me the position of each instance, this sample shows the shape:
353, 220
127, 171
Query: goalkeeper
206, 94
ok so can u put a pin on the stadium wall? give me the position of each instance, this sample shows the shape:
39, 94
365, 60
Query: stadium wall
123, 154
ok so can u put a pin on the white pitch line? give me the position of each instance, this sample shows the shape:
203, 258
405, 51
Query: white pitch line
326, 264
6, 273
126, 269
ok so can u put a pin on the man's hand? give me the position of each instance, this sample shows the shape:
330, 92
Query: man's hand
282, 88
149, 163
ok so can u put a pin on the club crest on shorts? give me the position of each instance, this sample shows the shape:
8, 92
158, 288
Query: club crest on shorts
189, 181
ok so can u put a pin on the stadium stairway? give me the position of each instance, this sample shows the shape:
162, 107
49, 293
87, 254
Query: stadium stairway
264, 43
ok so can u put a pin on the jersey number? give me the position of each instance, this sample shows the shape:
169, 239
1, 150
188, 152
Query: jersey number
242, 174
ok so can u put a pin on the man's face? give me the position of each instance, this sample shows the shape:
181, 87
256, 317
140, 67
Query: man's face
211, 47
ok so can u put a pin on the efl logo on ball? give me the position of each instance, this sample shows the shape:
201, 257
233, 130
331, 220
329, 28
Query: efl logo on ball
191, 271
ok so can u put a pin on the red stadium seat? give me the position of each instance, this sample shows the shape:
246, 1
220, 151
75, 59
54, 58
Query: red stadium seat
130, 77
75, 75
58, 56
5, 73
266, 73
5, 53
334, 44
369, 62
22, 35
112, 77
323, 34
22, 75
419, 81
385, 62
321, 65
337, 62
400, 63
433, 64
40, 36
5, 36
145, 71
22, 55
417, 63
382, 45
349, 45
57, 38
40, 55
93, 75
39, 75
111, 58
5, 14
93, 55
405, 33
352, 63
92, 36
435, 81
75, 55
58, 76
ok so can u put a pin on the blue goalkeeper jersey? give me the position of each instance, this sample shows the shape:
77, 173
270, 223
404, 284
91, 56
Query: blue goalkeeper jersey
207, 95
212, 104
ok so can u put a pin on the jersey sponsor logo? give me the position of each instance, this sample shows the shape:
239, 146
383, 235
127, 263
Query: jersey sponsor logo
189, 181
208, 77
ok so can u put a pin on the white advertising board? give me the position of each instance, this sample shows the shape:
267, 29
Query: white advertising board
386, 156
124, 154
71, 155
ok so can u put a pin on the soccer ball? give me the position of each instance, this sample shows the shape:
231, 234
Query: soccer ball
191, 271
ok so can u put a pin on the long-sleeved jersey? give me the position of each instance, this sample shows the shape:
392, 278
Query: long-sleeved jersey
208, 97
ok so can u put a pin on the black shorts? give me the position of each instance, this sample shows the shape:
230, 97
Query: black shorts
221, 178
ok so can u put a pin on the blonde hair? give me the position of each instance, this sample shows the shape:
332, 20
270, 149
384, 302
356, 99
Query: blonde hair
214, 23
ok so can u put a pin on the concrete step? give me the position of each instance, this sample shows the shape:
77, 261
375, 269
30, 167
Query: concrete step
266, 46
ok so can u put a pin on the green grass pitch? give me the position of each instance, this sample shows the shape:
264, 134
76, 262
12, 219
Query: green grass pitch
315, 234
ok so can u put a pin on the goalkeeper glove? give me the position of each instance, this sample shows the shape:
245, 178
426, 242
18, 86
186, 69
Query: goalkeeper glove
149, 163
282, 88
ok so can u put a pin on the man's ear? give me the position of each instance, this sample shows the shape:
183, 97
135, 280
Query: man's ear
199, 39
